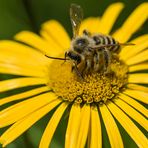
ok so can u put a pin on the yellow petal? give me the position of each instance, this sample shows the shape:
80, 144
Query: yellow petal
91, 24
19, 70
132, 113
23, 95
109, 17
138, 78
57, 32
16, 53
22, 125
73, 127
134, 104
20, 110
84, 126
21, 50
132, 24
16, 60
137, 87
20, 82
95, 129
141, 57
129, 126
35, 41
52, 125
55, 49
111, 127
138, 67
140, 44
139, 95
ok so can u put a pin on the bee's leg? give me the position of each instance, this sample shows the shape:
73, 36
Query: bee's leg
88, 66
107, 60
65, 57
96, 61
85, 32
74, 67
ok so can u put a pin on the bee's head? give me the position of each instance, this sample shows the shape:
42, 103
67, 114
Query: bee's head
73, 56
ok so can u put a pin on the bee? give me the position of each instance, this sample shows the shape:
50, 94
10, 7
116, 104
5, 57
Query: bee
89, 53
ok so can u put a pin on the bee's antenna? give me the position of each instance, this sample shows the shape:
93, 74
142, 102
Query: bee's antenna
56, 58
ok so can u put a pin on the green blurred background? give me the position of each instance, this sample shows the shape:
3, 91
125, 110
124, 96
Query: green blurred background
17, 15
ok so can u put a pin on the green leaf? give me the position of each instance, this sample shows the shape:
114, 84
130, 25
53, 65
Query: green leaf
13, 18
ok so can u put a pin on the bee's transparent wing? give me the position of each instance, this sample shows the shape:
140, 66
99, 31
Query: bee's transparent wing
76, 16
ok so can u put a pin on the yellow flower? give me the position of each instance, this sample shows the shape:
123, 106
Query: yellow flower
113, 97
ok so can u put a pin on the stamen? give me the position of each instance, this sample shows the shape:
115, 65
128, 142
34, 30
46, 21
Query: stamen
95, 88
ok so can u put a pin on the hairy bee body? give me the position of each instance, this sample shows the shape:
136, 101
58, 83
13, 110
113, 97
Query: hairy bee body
89, 56
106, 40
90, 52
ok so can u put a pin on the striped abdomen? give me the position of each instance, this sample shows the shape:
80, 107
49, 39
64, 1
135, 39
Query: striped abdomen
105, 40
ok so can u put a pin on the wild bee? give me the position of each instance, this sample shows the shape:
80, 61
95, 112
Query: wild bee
89, 52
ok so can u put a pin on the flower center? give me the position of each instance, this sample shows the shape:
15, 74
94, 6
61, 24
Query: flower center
95, 88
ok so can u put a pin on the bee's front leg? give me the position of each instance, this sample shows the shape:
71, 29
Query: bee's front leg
107, 60
75, 68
